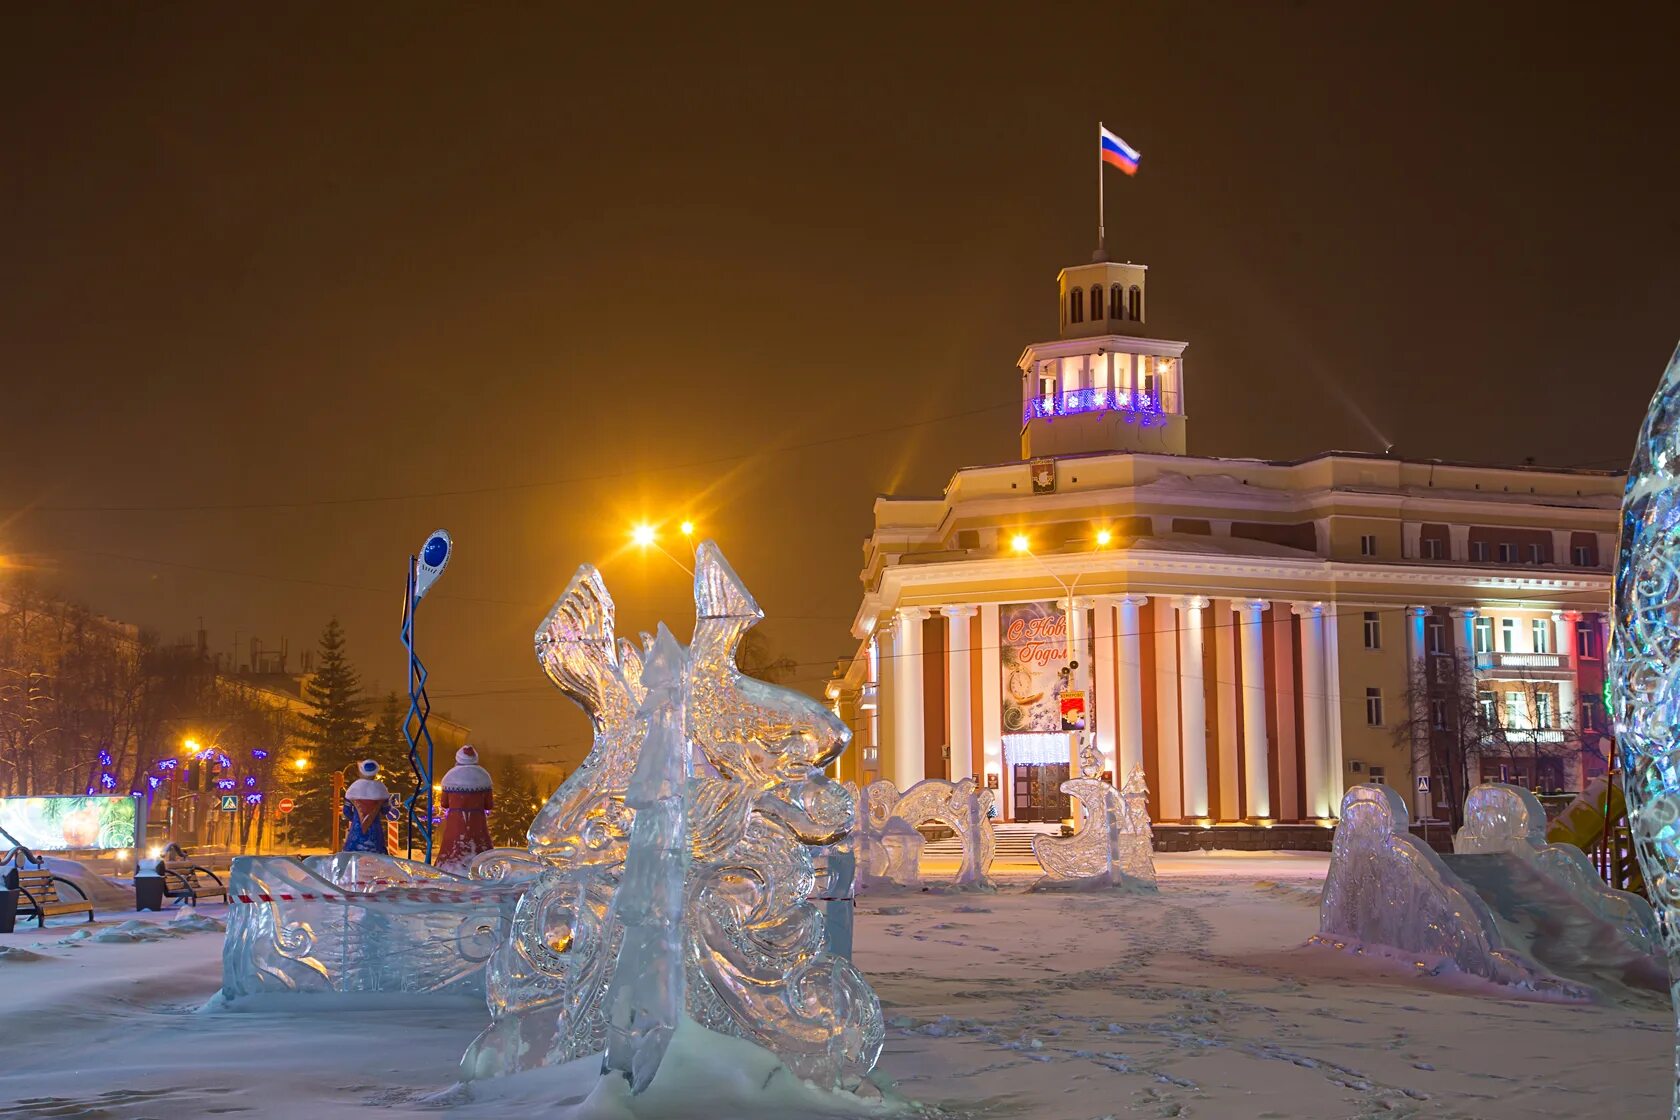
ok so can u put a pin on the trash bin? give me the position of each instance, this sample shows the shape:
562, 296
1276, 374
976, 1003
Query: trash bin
8, 910
148, 892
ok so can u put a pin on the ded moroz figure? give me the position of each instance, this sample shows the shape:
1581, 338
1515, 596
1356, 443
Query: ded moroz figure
366, 805
467, 802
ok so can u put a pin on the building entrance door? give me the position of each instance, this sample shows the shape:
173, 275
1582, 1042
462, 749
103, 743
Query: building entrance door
1038, 792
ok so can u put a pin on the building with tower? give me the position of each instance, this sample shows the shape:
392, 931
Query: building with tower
1254, 635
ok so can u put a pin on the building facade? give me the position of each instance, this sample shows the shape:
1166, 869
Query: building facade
1255, 635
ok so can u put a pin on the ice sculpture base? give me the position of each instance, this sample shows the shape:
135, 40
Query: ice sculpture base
1511, 910
368, 924
704, 1075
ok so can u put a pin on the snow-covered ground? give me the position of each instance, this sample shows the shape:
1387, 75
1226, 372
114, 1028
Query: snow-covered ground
1197, 1002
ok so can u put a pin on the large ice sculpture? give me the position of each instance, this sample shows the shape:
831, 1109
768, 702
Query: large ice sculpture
889, 845
753, 945
359, 922
1645, 661
1114, 844
1387, 891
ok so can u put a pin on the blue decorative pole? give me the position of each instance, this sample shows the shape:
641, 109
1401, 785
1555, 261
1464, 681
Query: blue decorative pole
423, 570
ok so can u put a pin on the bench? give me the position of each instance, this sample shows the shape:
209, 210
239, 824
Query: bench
40, 897
190, 882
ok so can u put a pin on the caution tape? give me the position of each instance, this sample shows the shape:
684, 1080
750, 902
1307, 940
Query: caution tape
425, 896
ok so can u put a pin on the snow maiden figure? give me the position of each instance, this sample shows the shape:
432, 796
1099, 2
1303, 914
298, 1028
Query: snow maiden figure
467, 802
367, 803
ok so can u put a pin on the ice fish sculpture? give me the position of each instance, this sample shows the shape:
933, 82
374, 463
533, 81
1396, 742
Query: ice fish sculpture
755, 808
1645, 661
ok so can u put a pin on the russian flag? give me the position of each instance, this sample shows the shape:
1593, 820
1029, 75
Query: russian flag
1116, 152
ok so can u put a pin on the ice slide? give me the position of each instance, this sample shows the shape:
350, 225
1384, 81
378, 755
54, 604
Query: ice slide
1506, 906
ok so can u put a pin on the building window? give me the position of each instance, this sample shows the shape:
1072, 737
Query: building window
1076, 306
1479, 551
1507, 554
1486, 707
1586, 640
1368, 545
1116, 299
1508, 635
1583, 556
1542, 635
1543, 710
1379, 776
1591, 714
1436, 633
1534, 554
1373, 707
1516, 711
1096, 302
1432, 548
1047, 390
1134, 305
1373, 630
1484, 634
1438, 714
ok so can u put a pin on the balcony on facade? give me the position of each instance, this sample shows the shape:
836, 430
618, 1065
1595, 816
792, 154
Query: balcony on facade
1144, 409
1539, 665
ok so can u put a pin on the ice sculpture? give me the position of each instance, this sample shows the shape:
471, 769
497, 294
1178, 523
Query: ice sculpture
1622, 931
645, 995
1645, 661
1114, 844
755, 963
359, 922
890, 846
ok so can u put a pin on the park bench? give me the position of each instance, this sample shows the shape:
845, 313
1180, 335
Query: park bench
190, 882
41, 900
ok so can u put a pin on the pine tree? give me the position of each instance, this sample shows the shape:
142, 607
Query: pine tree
517, 802
386, 745
333, 733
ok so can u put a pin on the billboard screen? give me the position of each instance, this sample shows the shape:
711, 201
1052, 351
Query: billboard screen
59, 824
1043, 688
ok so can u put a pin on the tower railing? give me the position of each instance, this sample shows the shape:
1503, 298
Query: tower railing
1139, 407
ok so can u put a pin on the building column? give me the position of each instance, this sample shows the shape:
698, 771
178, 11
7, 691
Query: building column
1417, 680
959, 696
908, 767
1567, 717
1192, 699
1228, 747
1458, 539
1313, 703
1257, 801
1105, 704
1168, 741
991, 706
1466, 619
1078, 649
1128, 701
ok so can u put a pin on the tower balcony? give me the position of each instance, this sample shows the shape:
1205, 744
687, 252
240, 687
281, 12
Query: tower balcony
1135, 407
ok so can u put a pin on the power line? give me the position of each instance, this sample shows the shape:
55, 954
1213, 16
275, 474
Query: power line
471, 491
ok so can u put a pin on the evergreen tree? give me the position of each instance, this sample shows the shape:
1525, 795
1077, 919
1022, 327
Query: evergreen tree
386, 745
333, 733
517, 802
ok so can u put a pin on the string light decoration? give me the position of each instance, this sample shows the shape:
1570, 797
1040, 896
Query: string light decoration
1142, 409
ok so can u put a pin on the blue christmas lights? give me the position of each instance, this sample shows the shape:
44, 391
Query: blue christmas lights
1142, 409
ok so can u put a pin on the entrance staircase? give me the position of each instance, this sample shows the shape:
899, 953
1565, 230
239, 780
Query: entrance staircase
1013, 842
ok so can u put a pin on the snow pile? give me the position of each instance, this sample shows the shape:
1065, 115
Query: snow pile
190, 920
702, 1076
17, 954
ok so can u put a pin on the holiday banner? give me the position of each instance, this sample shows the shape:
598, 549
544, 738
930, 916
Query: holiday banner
62, 824
1044, 689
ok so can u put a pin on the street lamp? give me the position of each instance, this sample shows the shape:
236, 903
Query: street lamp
645, 537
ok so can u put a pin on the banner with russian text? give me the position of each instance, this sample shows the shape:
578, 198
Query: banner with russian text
1044, 688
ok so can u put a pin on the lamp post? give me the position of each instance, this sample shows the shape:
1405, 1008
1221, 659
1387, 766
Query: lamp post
645, 536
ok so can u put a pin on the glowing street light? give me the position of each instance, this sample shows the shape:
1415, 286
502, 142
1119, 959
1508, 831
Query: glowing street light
643, 535
1103, 537
190, 745
301, 762
686, 528
1020, 543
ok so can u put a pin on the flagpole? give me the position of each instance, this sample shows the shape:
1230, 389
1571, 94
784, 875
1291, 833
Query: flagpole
1101, 248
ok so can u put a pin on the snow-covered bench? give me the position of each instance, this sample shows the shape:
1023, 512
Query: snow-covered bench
41, 898
182, 881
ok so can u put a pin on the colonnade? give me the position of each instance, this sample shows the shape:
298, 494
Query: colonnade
1181, 625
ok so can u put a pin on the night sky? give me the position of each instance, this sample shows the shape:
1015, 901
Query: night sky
287, 287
